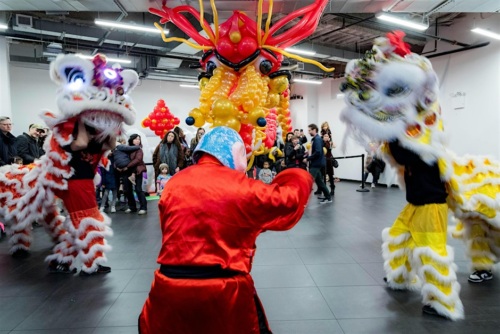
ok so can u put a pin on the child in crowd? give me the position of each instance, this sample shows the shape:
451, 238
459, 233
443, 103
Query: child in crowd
188, 159
108, 184
17, 160
265, 174
163, 178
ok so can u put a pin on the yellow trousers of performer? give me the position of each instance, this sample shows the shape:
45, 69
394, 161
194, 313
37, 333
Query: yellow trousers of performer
415, 255
482, 240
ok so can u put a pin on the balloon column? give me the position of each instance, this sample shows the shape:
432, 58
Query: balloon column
241, 85
160, 120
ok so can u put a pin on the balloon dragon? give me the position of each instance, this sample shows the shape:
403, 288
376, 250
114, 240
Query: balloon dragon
242, 84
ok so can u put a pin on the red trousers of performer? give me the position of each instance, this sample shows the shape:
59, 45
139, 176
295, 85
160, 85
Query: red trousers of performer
88, 227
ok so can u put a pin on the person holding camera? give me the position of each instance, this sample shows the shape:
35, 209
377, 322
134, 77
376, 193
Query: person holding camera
27, 144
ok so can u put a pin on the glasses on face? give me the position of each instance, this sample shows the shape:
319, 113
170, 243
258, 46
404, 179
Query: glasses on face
6, 124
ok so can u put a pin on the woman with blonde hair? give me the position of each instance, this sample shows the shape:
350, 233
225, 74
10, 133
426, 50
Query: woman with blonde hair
325, 129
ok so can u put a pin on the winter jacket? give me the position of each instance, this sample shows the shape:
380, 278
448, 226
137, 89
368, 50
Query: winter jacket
121, 155
317, 157
293, 158
27, 148
7, 148
137, 162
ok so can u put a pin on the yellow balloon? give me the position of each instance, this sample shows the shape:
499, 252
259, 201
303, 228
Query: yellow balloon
255, 114
273, 99
203, 82
223, 108
233, 123
199, 122
279, 84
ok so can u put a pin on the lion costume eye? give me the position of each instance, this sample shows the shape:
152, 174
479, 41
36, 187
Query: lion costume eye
397, 90
74, 74
210, 67
265, 66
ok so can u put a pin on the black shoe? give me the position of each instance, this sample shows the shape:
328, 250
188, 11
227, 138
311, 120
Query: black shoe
429, 310
317, 192
60, 268
20, 254
100, 270
385, 279
480, 276
326, 200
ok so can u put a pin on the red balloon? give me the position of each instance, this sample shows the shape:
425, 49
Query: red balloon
176, 121
146, 123
159, 132
154, 126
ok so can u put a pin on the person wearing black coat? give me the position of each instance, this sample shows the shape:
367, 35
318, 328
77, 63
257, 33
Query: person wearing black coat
295, 154
317, 161
27, 144
7, 142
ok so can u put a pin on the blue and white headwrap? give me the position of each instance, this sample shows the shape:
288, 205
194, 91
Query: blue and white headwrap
226, 145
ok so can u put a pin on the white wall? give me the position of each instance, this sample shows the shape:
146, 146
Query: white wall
5, 104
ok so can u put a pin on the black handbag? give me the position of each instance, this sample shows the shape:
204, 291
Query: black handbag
335, 163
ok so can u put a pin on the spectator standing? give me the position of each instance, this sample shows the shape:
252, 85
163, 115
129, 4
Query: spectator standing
295, 154
136, 166
27, 144
329, 145
182, 138
109, 185
7, 141
169, 151
194, 142
162, 179
325, 129
317, 161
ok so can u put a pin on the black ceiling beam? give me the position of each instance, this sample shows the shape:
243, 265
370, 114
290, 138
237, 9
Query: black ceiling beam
408, 32
343, 26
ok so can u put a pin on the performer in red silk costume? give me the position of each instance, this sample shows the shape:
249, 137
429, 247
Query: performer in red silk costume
211, 214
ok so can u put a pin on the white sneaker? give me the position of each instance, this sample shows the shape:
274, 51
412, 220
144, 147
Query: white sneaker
113, 209
142, 212
128, 211
373, 185
101, 209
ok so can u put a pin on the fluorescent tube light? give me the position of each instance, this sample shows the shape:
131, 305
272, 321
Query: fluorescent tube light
314, 82
189, 86
110, 60
126, 26
301, 52
486, 33
3, 26
402, 22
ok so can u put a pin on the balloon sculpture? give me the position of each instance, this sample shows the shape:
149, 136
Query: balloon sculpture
160, 120
242, 86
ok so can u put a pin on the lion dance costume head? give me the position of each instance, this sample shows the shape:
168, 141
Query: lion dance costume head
242, 86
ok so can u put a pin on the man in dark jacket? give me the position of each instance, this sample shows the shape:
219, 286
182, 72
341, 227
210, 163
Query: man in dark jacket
7, 141
317, 161
295, 154
27, 144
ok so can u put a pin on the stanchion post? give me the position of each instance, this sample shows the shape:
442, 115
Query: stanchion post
363, 189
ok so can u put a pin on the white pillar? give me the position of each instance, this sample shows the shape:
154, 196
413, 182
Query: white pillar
5, 100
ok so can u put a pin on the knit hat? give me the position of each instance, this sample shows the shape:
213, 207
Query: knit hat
93, 85
226, 145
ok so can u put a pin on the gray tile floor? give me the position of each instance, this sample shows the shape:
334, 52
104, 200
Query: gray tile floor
323, 276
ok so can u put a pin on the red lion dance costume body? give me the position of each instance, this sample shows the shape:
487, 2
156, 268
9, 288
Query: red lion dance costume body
209, 233
93, 104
